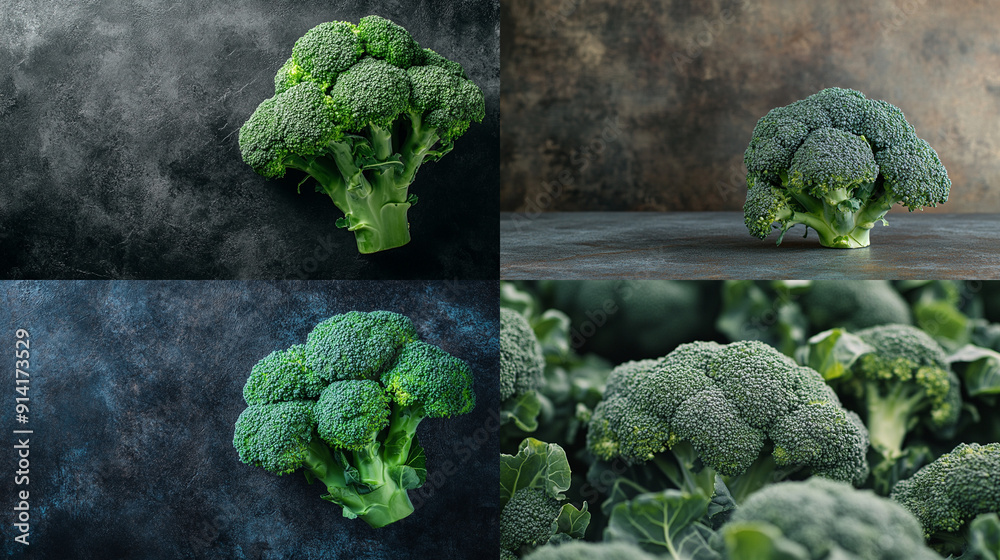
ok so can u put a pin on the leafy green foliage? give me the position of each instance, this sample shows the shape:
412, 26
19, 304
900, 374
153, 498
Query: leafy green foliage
837, 162
353, 397
359, 108
668, 523
532, 486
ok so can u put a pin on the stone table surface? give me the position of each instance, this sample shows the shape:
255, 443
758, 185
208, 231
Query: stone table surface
715, 245
135, 387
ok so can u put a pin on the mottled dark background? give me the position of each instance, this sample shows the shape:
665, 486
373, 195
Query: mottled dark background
135, 391
638, 105
119, 154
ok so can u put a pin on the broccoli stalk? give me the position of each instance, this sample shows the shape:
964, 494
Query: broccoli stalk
360, 109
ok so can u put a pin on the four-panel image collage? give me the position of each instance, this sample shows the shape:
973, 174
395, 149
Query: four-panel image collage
515, 279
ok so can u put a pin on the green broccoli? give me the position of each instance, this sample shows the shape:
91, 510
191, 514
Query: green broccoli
531, 493
521, 367
837, 162
823, 520
592, 551
716, 407
904, 382
359, 109
947, 494
345, 408
856, 304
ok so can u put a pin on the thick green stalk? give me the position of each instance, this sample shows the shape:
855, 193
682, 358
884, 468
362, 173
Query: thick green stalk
403, 422
385, 503
890, 417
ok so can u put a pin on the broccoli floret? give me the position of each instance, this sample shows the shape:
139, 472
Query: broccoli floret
521, 368
527, 519
718, 406
837, 162
345, 408
359, 109
821, 520
856, 304
905, 382
531, 494
948, 493
589, 550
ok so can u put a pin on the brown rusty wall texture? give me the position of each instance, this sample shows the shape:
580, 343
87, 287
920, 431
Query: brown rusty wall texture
648, 105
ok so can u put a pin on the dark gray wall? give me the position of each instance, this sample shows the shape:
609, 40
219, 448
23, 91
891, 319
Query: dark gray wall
119, 155
135, 390
638, 105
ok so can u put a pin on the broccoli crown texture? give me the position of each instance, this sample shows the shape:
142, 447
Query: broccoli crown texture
727, 401
837, 162
832, 520
574, 550
905, 381
360, 108
527, 518
946, 494
856, 304
521, 360
345, 408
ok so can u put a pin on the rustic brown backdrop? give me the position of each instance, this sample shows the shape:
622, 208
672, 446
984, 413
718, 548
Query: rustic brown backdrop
649, 105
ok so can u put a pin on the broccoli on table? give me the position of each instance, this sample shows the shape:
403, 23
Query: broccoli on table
837, 162
714, 408
345, 408
948, 493
359, 108
823, 520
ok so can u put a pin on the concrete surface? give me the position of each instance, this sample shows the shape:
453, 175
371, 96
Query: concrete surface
136, 387
119, 158
716, 245
636, 105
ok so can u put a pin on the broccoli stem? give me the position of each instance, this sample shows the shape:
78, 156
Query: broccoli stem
890, 417
403, 422
379, 501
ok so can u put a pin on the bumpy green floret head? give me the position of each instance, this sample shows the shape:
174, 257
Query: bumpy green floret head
521, 360
948, 493
907, 361
350, 414
834, 520
574, 550
301, 121
427, 377
370, 92
830, 164
320, 56
448, 102
837, 162
852, 305
432, 58
727, 401
357, 345
275, 436
282, 376
526, 519
389, 41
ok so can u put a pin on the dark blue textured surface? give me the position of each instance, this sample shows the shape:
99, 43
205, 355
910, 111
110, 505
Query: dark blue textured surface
135, 391
119, 158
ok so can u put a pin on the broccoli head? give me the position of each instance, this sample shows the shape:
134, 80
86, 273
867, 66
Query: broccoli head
359, 108
575, 550
904, 382
822, 520
521, 368
837, 162
948, 493
345, 408
717, 407
853, 304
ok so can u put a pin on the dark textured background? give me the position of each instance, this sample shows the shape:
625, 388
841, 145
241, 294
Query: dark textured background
135, 391
119, 154
683, 84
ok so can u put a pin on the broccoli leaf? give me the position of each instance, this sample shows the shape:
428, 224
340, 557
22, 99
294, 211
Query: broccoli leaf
665, 523
536, 465
984, 538
979, 369
757, 540
833, 352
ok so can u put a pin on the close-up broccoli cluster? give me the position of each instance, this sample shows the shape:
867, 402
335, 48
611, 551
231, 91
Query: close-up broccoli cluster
344, 407
764, 420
